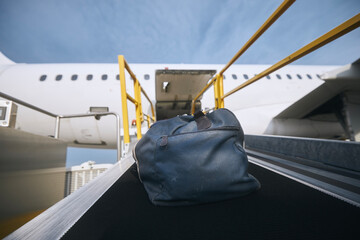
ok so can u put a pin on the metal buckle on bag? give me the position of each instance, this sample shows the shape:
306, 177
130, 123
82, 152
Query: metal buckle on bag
164, 141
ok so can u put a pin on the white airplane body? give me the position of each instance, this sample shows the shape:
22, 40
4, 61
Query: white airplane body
256, 106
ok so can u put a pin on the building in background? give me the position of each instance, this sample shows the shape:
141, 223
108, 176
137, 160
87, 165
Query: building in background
78, 176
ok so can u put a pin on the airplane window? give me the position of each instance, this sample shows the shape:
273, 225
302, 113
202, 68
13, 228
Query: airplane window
318, 76
234, 76
89, 77
308, 75
246, 76
268, 77
299, 76
58, 77
104, 77
74, 77
288, 76
117, 77
278, 76
43, 78
146, 76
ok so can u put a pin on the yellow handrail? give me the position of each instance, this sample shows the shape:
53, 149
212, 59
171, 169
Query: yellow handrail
131, 99
136, 100
201, 93
152, 107
217, 81
219, 101
333, 34
278, 12
148, 119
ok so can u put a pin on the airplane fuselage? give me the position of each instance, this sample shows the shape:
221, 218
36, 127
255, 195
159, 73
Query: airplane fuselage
74, 88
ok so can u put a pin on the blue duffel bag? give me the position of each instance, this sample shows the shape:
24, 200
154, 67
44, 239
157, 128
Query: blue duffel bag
196, 159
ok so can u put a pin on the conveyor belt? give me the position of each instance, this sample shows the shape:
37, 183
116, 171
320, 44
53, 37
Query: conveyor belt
281, 209
341, 183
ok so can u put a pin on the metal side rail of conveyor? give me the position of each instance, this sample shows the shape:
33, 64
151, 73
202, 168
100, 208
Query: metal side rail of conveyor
332, 167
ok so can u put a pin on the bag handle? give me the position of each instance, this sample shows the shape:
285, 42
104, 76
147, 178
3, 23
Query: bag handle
202, 121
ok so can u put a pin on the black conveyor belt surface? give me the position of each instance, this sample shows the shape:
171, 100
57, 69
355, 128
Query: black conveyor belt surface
281, 209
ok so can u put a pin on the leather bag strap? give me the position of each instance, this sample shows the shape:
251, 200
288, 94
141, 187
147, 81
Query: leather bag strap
202, 121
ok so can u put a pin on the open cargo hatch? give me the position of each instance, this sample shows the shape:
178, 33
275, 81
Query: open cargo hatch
175, 90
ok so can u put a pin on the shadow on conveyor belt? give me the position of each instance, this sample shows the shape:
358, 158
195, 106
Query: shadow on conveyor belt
281, 209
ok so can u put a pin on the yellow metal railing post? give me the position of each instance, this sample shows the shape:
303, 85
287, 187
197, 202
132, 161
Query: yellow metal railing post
136, 100
221, 90
151, 105
148, 120
138, 107
216, 93
124, 99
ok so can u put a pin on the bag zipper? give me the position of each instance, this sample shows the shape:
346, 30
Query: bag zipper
164, 138
205, 130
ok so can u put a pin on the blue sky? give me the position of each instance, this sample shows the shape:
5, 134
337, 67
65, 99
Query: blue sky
76, 156
169, 31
